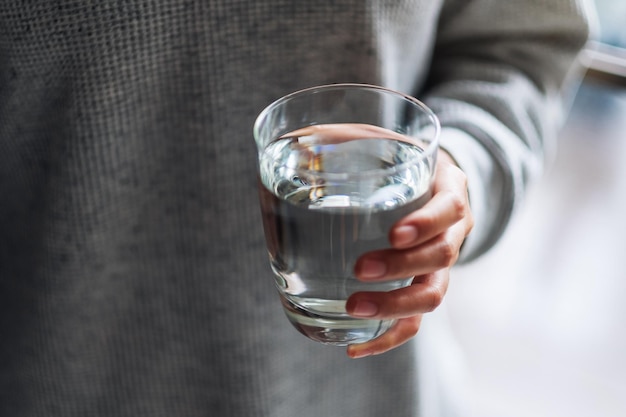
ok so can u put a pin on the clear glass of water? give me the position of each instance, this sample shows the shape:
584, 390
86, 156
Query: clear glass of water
338, 166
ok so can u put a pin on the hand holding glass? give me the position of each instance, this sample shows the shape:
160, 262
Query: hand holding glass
338, 166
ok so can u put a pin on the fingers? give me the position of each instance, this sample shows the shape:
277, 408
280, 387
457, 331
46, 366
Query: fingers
406, 304
424, 295
442, 251
449, 205
429, 238
400, 333
425, 244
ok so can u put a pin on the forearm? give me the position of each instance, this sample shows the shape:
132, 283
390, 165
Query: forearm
496, 84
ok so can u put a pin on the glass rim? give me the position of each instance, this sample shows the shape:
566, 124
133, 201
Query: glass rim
428, 151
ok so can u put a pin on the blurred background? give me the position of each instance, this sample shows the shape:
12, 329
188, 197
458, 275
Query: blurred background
541, 320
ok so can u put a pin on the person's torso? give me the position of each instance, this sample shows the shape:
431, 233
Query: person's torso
131, 249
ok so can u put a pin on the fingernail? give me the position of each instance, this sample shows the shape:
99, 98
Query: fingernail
364, 309
372, 268
404, 235
356, 354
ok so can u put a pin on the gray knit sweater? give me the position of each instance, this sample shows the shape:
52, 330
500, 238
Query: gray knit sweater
134, 279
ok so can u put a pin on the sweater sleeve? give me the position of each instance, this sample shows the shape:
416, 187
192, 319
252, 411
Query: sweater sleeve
497, 84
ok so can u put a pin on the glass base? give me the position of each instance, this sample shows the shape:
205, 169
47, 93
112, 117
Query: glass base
326, 321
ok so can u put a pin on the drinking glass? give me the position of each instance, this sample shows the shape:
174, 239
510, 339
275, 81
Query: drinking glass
338, 166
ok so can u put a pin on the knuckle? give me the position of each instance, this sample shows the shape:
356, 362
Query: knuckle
458, 206
434, 296
413, 327
470, 224
448, 253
